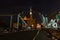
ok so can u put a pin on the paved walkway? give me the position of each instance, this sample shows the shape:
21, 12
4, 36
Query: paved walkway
43, 36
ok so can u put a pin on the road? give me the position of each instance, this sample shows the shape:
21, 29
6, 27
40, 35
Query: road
43, 35
26, 35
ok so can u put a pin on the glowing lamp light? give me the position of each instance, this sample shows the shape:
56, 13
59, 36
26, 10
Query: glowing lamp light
30, 13
38, 26
32, 25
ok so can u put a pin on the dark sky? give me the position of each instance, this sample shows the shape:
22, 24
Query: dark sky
16, 6
44, 6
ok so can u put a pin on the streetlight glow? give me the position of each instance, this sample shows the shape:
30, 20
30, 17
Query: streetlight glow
30, 13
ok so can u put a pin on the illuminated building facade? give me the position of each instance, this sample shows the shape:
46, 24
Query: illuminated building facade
30, 21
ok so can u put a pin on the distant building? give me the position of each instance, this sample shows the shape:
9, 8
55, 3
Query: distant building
30, 21
58, 20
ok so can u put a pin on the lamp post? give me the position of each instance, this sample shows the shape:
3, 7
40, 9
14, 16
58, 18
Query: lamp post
11, 22
30, 12
18, 21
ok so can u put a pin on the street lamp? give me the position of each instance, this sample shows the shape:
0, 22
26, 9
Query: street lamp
30, 11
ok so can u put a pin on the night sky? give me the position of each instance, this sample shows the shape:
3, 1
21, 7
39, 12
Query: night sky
16, 6
43, 6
